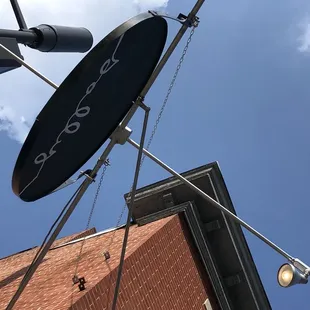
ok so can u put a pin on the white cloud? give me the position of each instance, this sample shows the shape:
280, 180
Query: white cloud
16, 127
22, 94
147, 4
304, 38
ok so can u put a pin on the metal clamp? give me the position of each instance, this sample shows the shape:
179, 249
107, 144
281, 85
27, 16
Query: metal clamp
121, 135
106, 255
81, 282
87, 174
140, 103
182, 19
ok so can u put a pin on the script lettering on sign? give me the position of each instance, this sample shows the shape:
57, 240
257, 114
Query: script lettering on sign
80, 112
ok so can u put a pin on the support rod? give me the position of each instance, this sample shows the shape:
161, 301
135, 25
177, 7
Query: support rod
60, 225
18, 14
163, 60
21, 36
37, 73
214, 203
133, 194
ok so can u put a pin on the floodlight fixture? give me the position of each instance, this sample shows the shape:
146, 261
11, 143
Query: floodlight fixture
293, 273
51, 38
44, 38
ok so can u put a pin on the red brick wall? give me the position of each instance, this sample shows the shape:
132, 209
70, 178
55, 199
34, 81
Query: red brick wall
51, 286
163, 273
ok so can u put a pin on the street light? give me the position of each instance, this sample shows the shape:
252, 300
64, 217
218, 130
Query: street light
289, 274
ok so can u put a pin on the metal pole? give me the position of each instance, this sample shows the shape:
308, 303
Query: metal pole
60, 225
133, 193
37, 73
18, 14
214, 202
163, 62
21, 36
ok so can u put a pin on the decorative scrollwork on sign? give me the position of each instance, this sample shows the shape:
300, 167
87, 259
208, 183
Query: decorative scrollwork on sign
80, 112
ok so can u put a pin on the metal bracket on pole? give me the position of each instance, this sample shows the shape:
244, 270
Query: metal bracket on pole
142, 105
121, 135
182, 19
305, 269
87, 174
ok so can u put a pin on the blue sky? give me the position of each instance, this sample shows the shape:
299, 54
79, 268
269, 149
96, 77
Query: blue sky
242, 98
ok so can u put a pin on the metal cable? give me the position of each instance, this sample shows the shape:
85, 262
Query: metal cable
150, 140
169, 90
91, 214
106, 164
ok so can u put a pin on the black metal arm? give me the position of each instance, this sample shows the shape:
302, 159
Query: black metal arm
26, 37
18, 14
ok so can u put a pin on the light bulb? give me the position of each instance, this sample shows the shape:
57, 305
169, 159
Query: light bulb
285, 275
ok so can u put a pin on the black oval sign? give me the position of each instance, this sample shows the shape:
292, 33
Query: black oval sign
88, 106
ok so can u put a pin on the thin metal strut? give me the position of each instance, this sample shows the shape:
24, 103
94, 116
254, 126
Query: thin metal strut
130, 209
301, 266
30, 68
214, 202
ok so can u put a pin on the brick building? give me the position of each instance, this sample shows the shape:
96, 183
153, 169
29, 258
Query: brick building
182, 254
